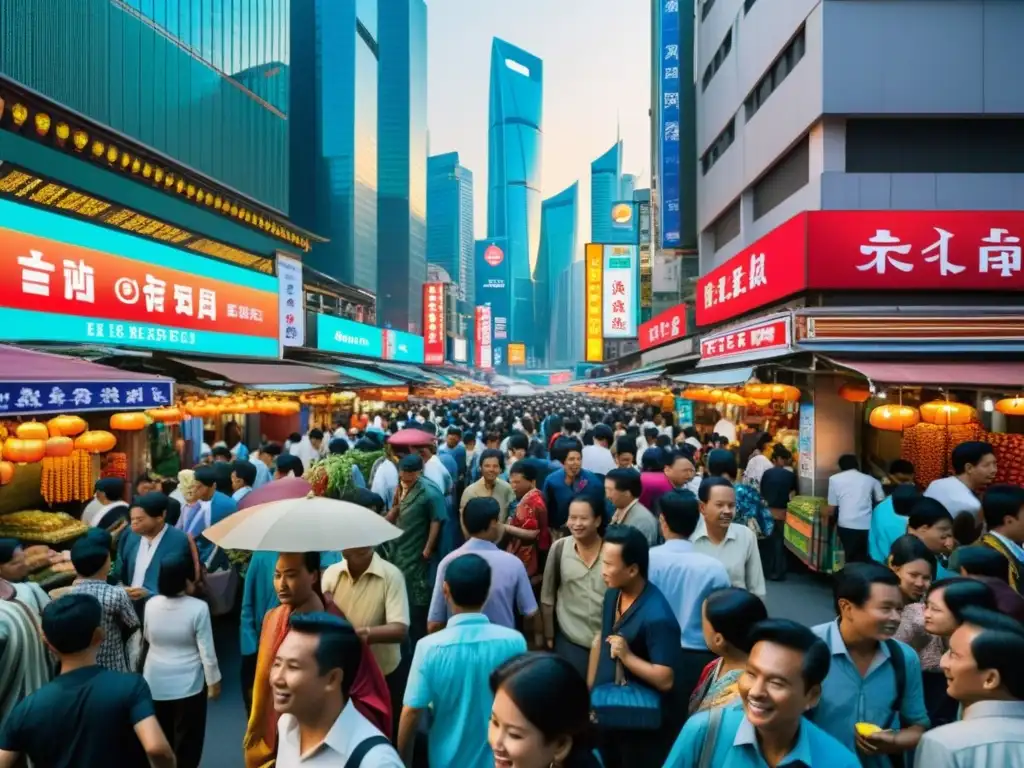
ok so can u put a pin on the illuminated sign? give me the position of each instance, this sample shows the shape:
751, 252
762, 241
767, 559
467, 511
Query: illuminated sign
669, 110
594, 347
337, 334
433, 323
484, 349
493, 255
403, 347
73, 282
622, 213
620, 281
292, 312
517, 354
624, 230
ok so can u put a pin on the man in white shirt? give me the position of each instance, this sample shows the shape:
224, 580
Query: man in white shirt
974, 467
310, 680
854, 494
758, 463
725, 428
731, 544
597, 458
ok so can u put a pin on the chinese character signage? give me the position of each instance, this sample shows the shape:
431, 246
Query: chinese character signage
770, 270
291, 301
766, 338
594, 347
484, 350
500, 328
336, 334
73, 282
621, 286
668, 326
433, 324
916, 250
517, 354
19, 398
624, 227
669, 102
403, 347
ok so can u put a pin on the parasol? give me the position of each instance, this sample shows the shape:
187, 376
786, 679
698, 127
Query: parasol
411, 438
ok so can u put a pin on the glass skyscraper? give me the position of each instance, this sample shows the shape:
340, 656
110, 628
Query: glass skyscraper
450, 221
514, 176
402, 138
558, 226
605, 189
333, 122
627, 186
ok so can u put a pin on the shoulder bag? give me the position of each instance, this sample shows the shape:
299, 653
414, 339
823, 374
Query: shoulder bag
707, 750
221, 587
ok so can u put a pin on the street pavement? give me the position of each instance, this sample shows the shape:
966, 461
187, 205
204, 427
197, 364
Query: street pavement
803, 597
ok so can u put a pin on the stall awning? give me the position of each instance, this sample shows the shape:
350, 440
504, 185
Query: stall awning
412, 374
1000, 375
17, 364
264, 373
726, 377
364, 376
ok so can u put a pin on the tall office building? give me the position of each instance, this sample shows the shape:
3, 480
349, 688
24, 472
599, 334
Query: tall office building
514, 176
627, 186
569, 315
333, 124
450, 221
558, 226
605, 189
402, 138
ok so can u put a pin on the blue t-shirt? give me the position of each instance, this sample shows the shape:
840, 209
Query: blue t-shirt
886, 527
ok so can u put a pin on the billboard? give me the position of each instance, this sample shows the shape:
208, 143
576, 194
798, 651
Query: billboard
403, 347
483, 353
292, 303
516, 354
670, 116
336, 334
433, 323
594, 340
494, 289
625, 222
620, 290
667, 326
460, 350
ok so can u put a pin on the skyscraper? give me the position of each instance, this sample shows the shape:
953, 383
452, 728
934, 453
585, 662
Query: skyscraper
627, 186
402, 137
514, 176
450, 220
605, 189
558, 223
333, 126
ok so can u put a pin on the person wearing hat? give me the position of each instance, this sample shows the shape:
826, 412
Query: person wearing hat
420, 512
107, 506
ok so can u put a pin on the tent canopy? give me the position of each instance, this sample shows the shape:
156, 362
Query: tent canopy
18, 364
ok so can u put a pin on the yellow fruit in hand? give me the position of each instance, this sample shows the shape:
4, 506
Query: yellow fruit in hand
867, 729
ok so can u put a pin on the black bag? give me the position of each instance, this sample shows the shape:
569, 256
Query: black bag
899, 671
362, 749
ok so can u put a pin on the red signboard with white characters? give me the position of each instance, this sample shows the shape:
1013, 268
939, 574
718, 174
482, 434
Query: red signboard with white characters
484, 351
433, 324
915, 250
667, 326
493, 255
768, 271
755, 340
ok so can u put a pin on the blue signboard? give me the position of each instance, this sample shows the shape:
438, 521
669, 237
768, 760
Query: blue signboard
684, 412
494, 288
18, 398
624, 215
335, 334
670, 116
403, 347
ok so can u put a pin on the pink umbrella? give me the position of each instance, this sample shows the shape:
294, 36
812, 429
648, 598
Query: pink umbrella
410, 438
278, 490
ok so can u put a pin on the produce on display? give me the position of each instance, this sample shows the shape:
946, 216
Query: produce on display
1009, 457
332, 476
810, 537
67, 478
929, 447
115, 465
46, 527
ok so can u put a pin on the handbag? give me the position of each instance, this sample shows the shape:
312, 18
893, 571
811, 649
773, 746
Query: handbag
220, 587
625, 704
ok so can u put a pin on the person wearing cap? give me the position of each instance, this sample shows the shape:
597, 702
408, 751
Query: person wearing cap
146, 545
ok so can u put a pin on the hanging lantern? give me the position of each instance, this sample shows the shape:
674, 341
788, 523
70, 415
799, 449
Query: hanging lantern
131, 421
59, 446
731, 398
855, 393
32, 430
894, 418
716, 395
201, 410
6, 472
785, 392
947, 413
758, 391
1011, 406
165, 415
96, 441
22, 451
68, 426
761, 402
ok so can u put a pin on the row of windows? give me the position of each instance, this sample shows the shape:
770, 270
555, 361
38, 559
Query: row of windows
716, 63
777, 72
723, 141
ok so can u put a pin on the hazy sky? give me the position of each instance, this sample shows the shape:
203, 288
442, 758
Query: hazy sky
596, 57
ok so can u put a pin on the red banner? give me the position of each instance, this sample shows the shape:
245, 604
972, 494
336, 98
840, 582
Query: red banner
753, 339
916, 250
484, 348
433, 324
667, 326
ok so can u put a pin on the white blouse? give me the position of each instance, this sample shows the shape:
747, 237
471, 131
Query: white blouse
181, 653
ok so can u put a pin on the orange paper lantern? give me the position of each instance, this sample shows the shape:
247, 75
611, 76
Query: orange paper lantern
758, 391
700, 395
6, 472
95, 441
894, 418
855, 393
731, 398
68, 426
22, 451
165, 415
59, 446
1011, 406
948, 414
785, 392
32, 430
132, 421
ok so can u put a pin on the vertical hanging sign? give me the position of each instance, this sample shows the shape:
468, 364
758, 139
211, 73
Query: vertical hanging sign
484, 349
291, 302
594, 346
669, 110
433, 324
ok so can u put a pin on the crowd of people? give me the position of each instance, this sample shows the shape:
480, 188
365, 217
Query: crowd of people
575, 585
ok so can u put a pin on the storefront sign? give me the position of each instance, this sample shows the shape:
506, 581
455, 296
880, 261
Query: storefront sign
805, 446
594, 348
291, 302
484, 352
661, 329
762, 339
620, 306
73, 282
770, 270
25, 397
669, 116
433, 323
336, 334
517, 354
403, 347
916, 250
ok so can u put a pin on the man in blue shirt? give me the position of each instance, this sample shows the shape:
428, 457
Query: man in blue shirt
564, 484
451, 670
863, 682
785, 670
454, 447
889, 521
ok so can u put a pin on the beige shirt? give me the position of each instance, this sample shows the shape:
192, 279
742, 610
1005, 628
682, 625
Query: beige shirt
738, 553
575, 590
377, 598
501, 493
636, 515
991, 733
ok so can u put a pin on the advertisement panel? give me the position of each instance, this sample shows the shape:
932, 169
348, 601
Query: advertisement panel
403, 347
516, 354
765, 338
670, 116
73, 282
336, 334
482, 325
433, 323
768, 271
291, 301
624, 227
494, 288
460, 350
620, 290
668, 326
666, 272
594, 340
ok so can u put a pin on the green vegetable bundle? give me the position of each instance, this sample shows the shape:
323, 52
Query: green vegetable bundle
338, 470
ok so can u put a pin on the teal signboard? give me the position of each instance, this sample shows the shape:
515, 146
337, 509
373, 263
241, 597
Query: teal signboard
403, 347
335, 334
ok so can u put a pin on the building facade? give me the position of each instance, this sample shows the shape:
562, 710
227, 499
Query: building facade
605, 189
334, 76
514, 176
627, 186
450, 221
559, 220
569, 314
793, 117
402, 142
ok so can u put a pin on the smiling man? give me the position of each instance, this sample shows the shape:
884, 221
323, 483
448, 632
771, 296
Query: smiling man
733, 545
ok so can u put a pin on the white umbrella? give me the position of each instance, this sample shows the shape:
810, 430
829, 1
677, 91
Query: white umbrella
309, 524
